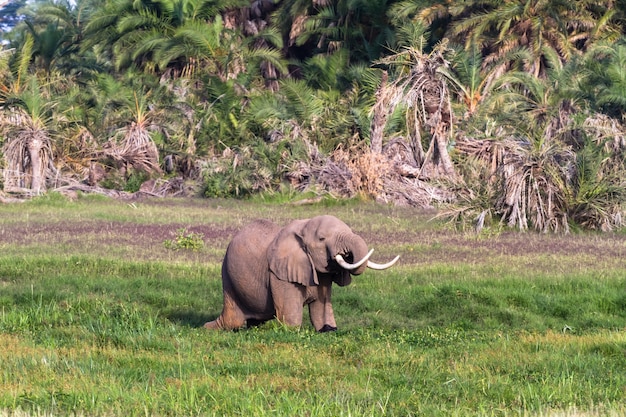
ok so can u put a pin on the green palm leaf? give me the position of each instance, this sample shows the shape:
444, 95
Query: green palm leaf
301, 99
273, 56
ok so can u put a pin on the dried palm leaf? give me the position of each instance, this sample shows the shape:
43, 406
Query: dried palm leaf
136, 149
297, 28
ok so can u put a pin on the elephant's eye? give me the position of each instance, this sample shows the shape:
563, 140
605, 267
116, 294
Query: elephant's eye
322, 238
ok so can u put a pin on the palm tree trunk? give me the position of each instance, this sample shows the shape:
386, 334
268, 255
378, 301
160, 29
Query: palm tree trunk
443, 157
34, 153
380, 113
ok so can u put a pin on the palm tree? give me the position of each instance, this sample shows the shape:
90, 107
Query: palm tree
606, 86
540, 27
293, 110
25, 125
323, 27
209, 46
596, 196
537, 168
359, 26
543, 161
525, 100
135, 147
27, 148
469, 80
57, 30
421, 85
48, 44
162, 34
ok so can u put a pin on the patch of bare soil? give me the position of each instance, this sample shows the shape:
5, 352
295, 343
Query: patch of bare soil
139, 241
537, 251
421, 246
106, 232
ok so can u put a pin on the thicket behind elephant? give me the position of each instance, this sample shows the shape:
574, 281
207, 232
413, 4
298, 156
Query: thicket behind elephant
272, 272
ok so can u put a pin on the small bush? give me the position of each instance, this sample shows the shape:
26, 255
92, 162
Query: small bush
238, 173
134, 181
185, 240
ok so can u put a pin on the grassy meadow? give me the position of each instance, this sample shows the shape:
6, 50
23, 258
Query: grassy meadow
101, 315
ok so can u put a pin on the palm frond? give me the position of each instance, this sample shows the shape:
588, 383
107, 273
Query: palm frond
301, 99
270, 36
201, 38
325, 71
413, 34
267, 55
22, 63
597, 195
267, 109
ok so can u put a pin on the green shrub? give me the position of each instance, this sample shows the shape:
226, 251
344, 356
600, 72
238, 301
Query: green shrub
185, 240
134, 181
247, 170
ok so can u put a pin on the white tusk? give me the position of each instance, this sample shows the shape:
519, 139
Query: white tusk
374, 265
349, 266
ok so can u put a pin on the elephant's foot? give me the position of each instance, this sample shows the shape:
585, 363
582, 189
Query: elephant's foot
222, 323
327, 328
212, 325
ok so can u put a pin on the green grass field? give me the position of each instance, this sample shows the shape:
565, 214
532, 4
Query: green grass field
100, 317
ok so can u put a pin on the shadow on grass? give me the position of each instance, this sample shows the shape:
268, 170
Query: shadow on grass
190, 318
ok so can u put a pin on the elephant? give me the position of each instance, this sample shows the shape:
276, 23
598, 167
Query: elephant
270, 272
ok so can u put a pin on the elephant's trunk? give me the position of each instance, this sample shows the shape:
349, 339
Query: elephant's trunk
350, 266
355, 251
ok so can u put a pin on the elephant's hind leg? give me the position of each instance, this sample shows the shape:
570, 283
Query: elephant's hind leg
231, 318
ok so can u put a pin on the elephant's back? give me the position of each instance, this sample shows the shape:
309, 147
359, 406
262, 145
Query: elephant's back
245, 269
254, 238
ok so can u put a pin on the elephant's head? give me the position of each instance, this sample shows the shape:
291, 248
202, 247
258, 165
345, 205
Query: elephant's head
321, 245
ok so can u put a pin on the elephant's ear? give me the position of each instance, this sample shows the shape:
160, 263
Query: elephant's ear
288, 258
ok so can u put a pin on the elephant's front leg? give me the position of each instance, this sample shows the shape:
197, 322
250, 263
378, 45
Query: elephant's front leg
321, 310
288, 301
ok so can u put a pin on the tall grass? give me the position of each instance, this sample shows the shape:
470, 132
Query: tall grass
108, 332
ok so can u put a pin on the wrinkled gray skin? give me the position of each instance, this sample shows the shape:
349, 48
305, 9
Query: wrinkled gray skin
271, 272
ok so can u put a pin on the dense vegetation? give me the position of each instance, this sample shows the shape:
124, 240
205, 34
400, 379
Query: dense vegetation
494, 109
100, 315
